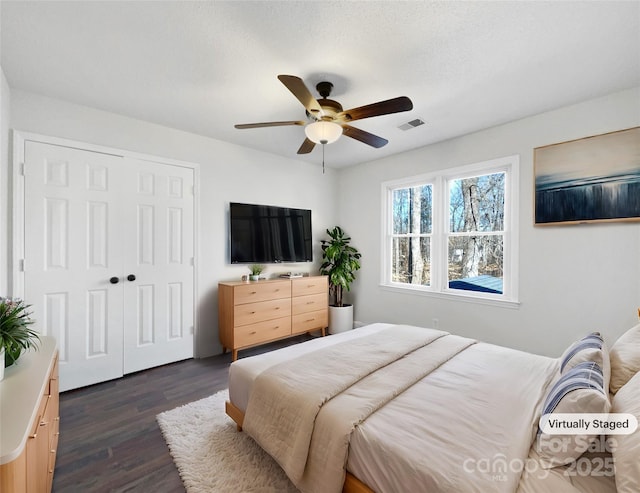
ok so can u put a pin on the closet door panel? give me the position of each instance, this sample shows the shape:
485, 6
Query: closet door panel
72, 249
158, 300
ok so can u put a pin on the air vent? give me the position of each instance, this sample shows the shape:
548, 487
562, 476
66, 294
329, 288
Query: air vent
412, 124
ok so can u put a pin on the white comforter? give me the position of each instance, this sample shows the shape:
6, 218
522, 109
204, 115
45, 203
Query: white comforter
467, 427
458, 419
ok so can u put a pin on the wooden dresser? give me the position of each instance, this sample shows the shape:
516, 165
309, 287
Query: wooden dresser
253, 313
29, 409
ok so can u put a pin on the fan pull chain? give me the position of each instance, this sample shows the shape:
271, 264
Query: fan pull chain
323, 159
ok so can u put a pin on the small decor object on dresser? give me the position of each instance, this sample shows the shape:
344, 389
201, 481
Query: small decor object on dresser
256, 270
16, 334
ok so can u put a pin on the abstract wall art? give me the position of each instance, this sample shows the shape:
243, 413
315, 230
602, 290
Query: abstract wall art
587, 180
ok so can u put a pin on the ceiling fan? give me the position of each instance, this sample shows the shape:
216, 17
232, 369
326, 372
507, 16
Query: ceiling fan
326, 120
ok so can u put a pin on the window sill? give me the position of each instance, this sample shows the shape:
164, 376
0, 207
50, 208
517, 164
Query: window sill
464, 297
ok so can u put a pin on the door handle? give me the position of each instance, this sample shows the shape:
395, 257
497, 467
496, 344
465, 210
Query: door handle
114, 280
131, 277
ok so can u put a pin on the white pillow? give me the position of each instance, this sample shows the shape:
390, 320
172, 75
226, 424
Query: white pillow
625, 358
626, 453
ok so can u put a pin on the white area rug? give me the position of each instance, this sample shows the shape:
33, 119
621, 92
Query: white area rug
213, 457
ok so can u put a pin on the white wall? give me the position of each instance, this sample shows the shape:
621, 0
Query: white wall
5, 105
572, 278
227, 173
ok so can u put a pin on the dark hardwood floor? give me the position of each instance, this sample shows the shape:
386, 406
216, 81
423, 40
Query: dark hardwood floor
109, 438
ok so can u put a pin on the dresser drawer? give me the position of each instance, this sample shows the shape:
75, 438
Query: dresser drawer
264, 310
257, 312
256, 291
305, 322
309, 285
248, 335
309, 303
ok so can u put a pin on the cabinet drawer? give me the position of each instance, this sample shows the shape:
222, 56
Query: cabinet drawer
309, 285
263, 310
51, 466
40, 416
309, 303
255, 291
305, 322
248, 335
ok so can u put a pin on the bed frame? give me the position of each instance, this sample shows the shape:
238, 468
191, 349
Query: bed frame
351, 483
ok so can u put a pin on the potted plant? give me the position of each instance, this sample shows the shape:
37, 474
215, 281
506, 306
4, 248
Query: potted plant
256, 270
340, 261
16, 335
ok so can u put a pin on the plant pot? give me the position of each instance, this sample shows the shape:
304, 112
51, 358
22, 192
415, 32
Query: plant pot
340, 318
254, 278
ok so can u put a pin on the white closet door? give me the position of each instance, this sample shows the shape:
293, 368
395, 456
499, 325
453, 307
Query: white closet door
92, 220
159, 304
72, 249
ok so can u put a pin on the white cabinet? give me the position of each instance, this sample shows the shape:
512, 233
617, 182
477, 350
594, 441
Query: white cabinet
29, 407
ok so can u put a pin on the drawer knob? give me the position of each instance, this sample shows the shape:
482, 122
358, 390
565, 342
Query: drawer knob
253, 333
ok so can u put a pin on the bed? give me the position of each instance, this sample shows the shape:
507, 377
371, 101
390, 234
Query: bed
392, 408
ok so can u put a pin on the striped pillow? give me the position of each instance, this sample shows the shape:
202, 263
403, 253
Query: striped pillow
587, 375
590, 348
580, 389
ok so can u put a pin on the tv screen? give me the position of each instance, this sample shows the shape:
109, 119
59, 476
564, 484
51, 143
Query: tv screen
269, 234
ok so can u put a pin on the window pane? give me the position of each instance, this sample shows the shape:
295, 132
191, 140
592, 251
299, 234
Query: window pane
477, 203
411, 260
412, 210
476, 263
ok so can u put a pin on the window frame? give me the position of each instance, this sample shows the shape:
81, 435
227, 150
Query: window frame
440, 179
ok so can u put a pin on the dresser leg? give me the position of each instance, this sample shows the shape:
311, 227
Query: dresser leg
234, 354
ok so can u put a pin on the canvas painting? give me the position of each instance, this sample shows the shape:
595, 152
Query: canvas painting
591, 179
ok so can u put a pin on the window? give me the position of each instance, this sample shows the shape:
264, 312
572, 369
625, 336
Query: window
452, 233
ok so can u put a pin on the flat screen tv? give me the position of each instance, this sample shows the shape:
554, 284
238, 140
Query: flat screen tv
269, 234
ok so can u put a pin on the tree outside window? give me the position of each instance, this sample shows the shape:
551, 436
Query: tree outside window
411, 238
476, 230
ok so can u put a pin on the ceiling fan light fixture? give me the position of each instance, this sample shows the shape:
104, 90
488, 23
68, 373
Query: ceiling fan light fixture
323, 132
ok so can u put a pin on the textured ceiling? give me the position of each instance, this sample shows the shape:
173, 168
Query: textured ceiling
204, 66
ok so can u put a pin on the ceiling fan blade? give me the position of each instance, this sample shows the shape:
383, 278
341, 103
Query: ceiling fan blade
268, 124
362, 136
395, 105
300, 91
306, 147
